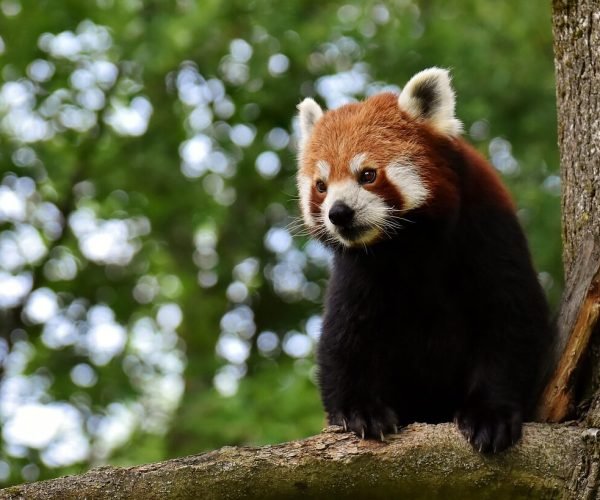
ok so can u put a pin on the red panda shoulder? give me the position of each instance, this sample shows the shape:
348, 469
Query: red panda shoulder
482, 183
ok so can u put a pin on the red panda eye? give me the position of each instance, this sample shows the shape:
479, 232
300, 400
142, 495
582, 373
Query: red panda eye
321, 186
367, 176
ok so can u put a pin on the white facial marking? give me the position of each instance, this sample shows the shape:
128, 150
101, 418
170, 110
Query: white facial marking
356, 163
304, 190
346, 191
310, 112
405, 177
370, 211
324, 169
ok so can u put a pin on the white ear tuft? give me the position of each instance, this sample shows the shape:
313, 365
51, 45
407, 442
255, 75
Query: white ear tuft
429, 96
310, 112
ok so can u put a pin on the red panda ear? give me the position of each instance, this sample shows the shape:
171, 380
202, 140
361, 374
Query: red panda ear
310, 112
429, 96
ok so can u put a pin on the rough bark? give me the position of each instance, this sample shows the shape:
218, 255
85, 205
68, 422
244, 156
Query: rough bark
579, 315
576, 26
577, 61
422, 461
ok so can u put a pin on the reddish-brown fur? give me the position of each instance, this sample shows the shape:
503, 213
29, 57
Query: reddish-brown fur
378, 127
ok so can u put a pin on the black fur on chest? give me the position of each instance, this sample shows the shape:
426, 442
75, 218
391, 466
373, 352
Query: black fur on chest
432, 323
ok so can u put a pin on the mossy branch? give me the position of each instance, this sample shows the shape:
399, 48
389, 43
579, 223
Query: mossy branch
422, 461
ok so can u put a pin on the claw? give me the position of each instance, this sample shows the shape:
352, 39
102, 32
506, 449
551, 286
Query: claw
381, 435
363, 432
345, 424
395, 429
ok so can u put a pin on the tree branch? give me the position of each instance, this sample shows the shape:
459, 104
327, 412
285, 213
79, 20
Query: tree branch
578, 317
422, 461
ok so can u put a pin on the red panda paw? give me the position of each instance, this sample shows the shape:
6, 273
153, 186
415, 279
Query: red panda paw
370, 423
490, 430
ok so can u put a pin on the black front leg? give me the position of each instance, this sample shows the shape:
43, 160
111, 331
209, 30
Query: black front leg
353, 355
350, 392
503, 384
365, 420
510, 333
490, 426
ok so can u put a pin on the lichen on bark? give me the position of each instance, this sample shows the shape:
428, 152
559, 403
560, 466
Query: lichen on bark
422, 461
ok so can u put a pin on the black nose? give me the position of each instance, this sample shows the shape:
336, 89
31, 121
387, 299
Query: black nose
341, 214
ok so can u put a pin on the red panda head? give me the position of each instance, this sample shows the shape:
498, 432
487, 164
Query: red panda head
365, 167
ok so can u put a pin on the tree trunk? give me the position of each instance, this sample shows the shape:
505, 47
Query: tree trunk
577, 62
576, 26
427, 461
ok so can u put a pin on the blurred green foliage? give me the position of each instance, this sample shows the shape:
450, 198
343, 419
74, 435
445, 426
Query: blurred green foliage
152, 303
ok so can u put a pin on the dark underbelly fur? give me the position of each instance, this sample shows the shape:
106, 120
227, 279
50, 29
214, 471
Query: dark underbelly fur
439, 323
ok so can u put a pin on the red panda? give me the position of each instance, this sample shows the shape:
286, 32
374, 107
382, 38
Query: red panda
433, 310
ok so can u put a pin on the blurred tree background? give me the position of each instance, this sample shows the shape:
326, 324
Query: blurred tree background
153, 302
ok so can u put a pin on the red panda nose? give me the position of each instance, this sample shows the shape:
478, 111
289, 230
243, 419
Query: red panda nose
341, 214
